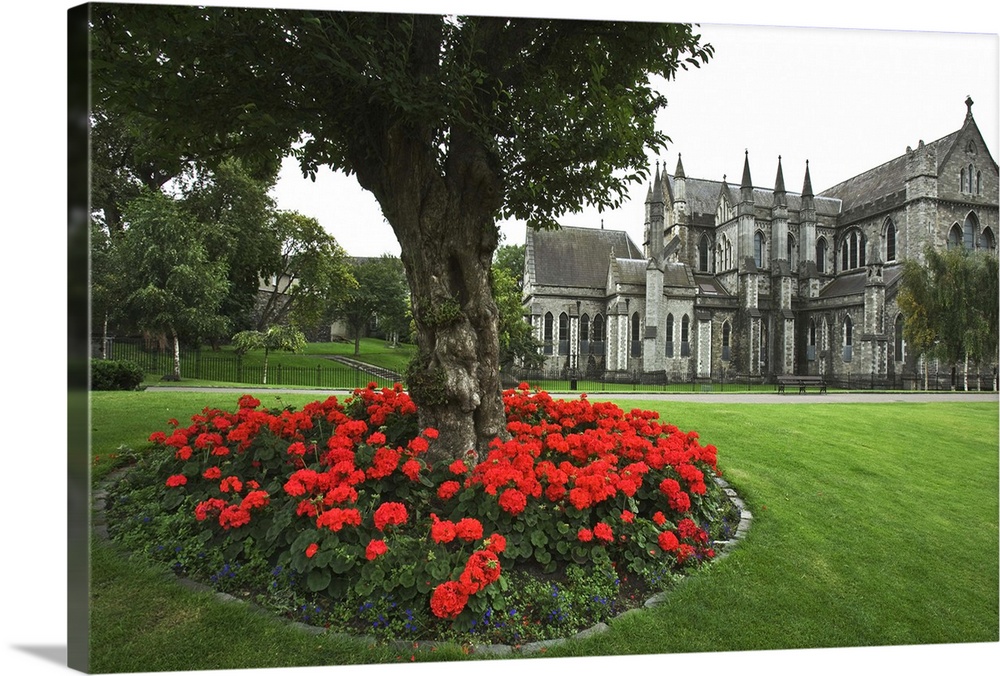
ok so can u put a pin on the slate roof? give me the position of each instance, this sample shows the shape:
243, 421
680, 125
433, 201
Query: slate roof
885, 180
703, 195
853, 282
578, 257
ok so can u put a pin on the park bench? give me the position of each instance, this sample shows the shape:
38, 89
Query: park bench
801, 382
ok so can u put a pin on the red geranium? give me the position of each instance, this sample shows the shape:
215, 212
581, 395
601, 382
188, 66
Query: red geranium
448, 600
375, 549
311, 550
390, 514
513, 501
448, 489
668, 541
585, 535
602, 531
469, 529
176, 480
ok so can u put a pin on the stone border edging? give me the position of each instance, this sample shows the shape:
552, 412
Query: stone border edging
99, 527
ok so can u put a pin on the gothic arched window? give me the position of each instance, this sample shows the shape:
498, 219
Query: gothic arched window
890, 241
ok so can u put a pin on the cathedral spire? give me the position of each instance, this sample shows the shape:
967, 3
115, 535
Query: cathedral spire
657, 185
679, 171
746, 183
807, 186
779, 180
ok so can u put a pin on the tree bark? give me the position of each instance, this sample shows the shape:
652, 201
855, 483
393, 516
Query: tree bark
177, 356
445, 222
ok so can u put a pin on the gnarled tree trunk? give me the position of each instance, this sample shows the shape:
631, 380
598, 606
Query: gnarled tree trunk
446, 226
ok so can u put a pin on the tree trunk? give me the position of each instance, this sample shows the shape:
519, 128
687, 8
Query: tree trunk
357, 341
177, 356
445, 221
265, 366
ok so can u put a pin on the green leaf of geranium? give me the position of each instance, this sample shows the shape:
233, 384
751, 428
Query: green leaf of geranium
318, 579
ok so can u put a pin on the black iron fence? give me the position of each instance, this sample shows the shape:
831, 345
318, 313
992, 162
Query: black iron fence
232, 368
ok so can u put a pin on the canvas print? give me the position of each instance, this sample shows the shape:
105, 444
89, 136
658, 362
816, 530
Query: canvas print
471, 341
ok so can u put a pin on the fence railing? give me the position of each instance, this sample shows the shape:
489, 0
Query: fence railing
235, 369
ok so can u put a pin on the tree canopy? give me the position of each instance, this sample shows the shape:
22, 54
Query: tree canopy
949, 304
450, 121
379, 294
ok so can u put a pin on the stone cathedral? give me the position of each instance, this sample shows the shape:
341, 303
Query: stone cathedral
745, 281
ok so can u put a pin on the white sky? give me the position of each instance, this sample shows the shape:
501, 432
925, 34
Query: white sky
846, 100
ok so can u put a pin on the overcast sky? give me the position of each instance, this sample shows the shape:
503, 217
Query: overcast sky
847, 100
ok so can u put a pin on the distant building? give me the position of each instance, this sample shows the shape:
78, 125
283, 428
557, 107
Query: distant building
750, 281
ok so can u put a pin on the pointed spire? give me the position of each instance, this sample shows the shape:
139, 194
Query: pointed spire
746, 183
679, 171
779, 180
657, 185
807, 186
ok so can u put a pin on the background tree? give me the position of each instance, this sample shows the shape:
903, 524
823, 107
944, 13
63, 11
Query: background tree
450, 122
517, 342
950, 307
237, 217
166, 282
275, 338
379, 295
309, 277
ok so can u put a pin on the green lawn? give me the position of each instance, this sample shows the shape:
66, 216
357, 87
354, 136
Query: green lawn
874, 524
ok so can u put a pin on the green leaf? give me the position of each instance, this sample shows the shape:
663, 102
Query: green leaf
318, 579
539, 539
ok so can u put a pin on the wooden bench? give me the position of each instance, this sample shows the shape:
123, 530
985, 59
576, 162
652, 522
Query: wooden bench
801, 382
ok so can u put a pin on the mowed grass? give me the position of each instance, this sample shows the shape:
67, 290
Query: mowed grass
874, 524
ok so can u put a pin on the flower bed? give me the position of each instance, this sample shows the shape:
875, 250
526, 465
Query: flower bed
331, 514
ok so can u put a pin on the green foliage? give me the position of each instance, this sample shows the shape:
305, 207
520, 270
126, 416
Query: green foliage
165, 281
115, 374
950, 305
378, 293
517, 343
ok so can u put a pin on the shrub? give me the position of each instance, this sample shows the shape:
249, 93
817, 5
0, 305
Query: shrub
582, 495
115, 374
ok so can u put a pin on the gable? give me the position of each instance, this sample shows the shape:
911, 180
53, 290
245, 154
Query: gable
576, 257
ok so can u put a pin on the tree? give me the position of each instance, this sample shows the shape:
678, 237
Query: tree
237, 216
285, 338
309, 276
950, 307
517, 343
450, 122
165, 280
379, 293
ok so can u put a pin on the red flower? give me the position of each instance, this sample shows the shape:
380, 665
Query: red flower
255, 500
376, 439
311, 550
183, 453
585, 535
176, 480
458, 467
375, 549
513, 501
411, 468
208, 507
687, 528
469, 529
231, 483
448, 489
390, 514
680, 502
234, 516
431, 433
297, 448
335, 519
659, 519
627, 516
602, 531
448, 600
580, 498
212, 473
497, 543
668, 541
442, 532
